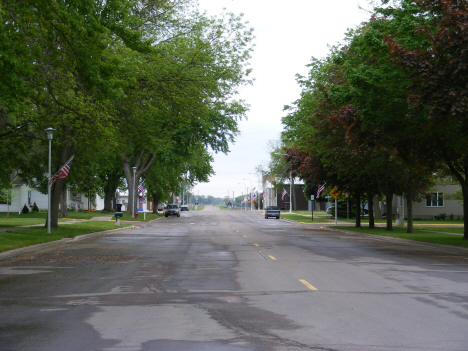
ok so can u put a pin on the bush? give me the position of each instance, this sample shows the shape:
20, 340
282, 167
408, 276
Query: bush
343, 209
451, 216
25, 209
35, 208
440, 217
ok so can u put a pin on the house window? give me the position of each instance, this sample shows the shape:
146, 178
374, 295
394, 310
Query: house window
4, 195
435, 200
29, 197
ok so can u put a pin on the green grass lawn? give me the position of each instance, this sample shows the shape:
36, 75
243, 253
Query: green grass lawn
424, 234
21, 237
444, 232
305, 219
16, 220
128, 217
307, 213
223, 207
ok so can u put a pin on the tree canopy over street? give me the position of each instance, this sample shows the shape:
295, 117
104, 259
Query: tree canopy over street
146, 84
387, 111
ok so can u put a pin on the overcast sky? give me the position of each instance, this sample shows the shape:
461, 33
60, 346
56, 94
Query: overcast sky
287, 37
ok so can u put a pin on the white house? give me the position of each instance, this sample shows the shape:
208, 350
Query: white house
22, 194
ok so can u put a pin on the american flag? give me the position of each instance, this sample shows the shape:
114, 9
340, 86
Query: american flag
320, 189
284, 194
141, 189
254, 196
265, 194
62, 172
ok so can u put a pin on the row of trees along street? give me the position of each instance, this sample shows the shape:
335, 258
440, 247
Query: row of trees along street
387, 112
145, 84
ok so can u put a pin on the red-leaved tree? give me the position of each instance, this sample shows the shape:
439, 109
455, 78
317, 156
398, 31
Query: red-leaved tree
439, 89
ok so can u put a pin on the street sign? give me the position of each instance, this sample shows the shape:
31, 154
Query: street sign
312, 197
328, 197
335, 193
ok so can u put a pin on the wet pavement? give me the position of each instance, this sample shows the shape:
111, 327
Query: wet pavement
233, 281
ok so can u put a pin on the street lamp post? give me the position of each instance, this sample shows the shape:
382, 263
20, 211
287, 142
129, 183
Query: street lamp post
250, 193
133, 191
245, 207
50, 134
290, 192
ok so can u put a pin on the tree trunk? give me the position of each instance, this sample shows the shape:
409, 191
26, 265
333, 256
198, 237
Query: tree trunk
114, 200
142, 166
294, 195
56, 188
463, 180
358, 210
56, 193
376, 206
156, 200
109, 195
370, 207
63, 203
465, 210
409, 213
389, 196
132, 187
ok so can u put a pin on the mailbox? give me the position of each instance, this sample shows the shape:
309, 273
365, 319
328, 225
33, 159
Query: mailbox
118, 215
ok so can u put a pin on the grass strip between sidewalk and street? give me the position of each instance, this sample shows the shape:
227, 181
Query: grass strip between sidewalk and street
304, 219
437, 232
441, 235
16, 238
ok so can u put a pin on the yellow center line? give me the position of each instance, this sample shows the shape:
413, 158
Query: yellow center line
272, 257
307, 284
256, 245
245, 236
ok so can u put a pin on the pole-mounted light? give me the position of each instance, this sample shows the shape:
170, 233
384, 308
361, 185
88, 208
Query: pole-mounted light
50, 134
133, 190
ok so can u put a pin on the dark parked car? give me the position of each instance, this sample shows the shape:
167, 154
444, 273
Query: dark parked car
272, 211
184, 208
171, 210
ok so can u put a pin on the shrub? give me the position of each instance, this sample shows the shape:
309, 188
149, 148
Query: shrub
440, 217
343, 209
25, 209
451, 216
35, 208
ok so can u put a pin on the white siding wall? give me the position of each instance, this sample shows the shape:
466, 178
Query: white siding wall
20, 198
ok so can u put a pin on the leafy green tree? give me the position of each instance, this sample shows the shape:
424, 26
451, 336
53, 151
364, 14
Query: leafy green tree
438, 74
182, 95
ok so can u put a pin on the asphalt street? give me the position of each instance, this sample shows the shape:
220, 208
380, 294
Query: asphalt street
234, 281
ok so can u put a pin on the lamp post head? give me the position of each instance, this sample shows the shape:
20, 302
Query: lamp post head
134, 170
50, 133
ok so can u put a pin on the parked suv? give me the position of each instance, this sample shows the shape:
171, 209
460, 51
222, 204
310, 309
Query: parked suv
184, 208
171, 210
